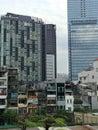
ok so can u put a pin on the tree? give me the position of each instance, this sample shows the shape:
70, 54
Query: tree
43, 121
53, 121
67, 115
10, 117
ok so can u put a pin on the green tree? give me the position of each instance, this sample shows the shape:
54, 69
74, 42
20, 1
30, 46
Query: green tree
43, 121
10, 117
69, 116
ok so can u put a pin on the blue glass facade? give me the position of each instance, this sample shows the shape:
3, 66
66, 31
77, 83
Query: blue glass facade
82, 35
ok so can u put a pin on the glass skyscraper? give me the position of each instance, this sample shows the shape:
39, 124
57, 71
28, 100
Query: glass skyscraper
50, 50
82, 35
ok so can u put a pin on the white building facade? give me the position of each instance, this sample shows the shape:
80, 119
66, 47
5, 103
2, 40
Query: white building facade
50, 66
90, 75
89, 84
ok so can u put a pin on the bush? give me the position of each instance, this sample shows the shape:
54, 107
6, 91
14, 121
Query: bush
10, 117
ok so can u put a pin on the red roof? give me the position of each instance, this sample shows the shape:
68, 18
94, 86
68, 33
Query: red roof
96, 59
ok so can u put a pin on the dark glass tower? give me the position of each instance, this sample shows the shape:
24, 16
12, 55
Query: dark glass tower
49, 51
82, 35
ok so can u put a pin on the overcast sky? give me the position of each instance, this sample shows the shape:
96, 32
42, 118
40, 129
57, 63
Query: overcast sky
51, 11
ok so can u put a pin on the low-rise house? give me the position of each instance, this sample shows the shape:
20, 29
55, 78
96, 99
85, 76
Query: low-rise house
32, 100
89, 86
12, 97
3, 90
59, 96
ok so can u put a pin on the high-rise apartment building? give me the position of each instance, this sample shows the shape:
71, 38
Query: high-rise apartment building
82, 35
23, 44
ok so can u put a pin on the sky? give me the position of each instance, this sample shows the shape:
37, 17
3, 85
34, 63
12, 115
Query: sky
51, 12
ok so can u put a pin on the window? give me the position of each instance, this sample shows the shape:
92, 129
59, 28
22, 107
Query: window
28, 70
22, 38
96, 69
22, 110
33, 26
1, 83
2, 101
80, 78
69, 108
22, 63
71, 101
84, 78
4, 60
4, 35
11, 46
11, 22
16, 54
58, 98
61, 107
28, 32
67, 100
28, 50
16, 27
33, 66
33, 46
92, 76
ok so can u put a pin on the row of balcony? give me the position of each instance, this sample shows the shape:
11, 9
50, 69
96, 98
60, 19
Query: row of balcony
2, 94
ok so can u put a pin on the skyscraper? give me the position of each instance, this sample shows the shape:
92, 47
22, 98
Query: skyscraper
82, 35
22, 45
50, 51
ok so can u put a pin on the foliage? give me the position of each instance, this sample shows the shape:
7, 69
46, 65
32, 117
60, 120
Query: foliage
60, 112
68, 116
42, 121
42, 112
10, 117
36, 118
28, 123
95, 110
60, 122
78, 101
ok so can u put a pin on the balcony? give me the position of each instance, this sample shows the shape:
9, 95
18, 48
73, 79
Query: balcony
13, 72
51, 89
69, 93
12, 103
3, 95
33, 101
3, 86
32, 106
20, 105
30, 97
22, 96
3, 77
3, 103
51, 97
13, 108
2, 106
3, 74
51, 105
